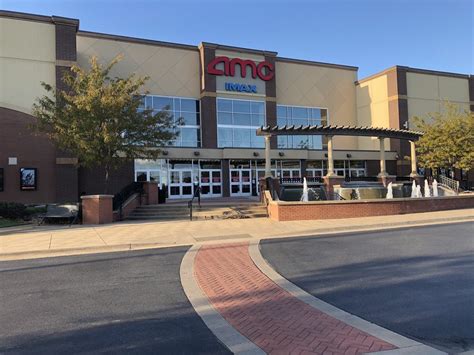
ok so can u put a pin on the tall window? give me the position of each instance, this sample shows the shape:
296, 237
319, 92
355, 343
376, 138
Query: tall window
185, 111
237, 122
296, 115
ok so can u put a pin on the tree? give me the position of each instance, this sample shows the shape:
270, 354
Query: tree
99, 119
448, 140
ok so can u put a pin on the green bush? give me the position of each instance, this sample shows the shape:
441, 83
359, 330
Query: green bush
12, 210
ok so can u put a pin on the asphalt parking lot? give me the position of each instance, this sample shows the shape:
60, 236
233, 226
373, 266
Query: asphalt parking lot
418, 282
104, 303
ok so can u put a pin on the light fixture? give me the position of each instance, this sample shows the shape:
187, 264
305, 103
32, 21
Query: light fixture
325, 155
281, 154
256, 154
196, 153
164, 152
349, 155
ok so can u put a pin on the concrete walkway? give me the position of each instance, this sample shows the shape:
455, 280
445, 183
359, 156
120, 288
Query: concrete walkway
48, 241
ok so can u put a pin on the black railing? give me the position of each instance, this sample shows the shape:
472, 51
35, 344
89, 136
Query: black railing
360, 178
122, 196
197, 193
299, 180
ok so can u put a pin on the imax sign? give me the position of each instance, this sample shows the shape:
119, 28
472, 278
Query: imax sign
241, 87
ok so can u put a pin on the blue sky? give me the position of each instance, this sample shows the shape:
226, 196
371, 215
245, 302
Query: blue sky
370, 34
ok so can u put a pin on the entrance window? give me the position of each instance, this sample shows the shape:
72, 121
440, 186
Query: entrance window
296, 115
237, 122
186, 115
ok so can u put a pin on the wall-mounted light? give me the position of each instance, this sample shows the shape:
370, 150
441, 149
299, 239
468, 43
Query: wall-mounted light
281, 154
164, 152
397, 156
349, 155
325, 155
196, 153
256, 154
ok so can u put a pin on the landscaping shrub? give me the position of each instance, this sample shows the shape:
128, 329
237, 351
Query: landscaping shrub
12, 210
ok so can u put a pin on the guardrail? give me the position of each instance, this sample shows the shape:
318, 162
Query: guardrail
448, 182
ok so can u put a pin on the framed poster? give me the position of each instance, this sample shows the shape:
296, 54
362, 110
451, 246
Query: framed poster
28, 179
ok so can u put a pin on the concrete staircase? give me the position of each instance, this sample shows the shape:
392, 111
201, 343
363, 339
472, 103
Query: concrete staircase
208, 210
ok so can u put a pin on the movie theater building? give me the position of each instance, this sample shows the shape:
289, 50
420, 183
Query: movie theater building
222, 94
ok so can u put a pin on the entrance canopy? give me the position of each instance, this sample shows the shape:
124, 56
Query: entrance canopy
339, 131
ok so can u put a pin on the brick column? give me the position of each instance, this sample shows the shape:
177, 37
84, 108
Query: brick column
329, 182
225, 178
66, 169
207, 53
151, 191
97, 209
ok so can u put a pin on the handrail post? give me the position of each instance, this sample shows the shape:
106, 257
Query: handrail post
199, 195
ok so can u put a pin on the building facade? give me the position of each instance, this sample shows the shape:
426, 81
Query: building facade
222, 94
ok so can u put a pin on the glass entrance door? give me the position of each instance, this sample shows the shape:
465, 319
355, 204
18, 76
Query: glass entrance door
211, 184
181, 184
240, 182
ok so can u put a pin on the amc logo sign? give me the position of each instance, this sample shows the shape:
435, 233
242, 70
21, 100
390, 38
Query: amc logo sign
264, 70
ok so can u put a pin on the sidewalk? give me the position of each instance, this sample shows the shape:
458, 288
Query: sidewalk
48, 241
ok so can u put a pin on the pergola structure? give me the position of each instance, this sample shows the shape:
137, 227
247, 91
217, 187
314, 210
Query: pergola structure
330, 131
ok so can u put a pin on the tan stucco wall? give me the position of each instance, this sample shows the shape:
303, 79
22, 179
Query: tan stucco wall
372, 109
172, 71
426, 93
27, 57
301, 84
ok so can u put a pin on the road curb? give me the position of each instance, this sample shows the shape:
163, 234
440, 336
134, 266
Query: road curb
405, 345
328, 232
227, 334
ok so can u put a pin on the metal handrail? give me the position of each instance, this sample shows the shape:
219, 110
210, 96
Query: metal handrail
197, 193
122, 196
450, 183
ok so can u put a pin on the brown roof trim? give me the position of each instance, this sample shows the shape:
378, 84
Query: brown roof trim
135, 40
40, 18
413, 70
319, 64
238, 49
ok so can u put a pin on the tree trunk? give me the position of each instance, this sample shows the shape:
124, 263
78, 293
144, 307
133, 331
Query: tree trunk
106, 181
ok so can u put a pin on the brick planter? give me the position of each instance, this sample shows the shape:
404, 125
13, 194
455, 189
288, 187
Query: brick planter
97, 209
293, 211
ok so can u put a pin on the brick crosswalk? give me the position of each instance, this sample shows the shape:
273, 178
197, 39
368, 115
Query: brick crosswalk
268, 315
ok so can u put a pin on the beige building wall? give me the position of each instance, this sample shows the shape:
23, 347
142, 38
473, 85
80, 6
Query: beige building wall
300, 84
372, 109
172, 71
27, 57
427, 92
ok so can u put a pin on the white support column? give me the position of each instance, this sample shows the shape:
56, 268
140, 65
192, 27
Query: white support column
383, 171
414, 170
268, 164
330, 158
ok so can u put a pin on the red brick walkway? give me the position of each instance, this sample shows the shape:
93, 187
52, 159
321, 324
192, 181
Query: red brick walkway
266, 314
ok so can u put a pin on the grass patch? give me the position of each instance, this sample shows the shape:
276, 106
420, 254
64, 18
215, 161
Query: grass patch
5, 222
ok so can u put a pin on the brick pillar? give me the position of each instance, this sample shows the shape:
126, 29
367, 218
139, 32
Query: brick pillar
304, 166
151, 191
97, 209
225, 178
330, 181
